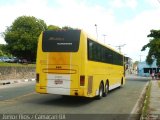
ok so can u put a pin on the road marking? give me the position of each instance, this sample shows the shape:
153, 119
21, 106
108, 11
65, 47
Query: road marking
16, 98
23, 96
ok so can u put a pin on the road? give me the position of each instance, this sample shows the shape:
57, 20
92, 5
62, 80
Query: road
22, 99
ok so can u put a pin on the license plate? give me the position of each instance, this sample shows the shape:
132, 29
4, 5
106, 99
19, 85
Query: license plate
58, 82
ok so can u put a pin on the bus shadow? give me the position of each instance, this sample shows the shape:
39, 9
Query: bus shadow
57, 100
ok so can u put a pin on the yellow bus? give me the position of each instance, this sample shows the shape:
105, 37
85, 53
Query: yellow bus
69, 62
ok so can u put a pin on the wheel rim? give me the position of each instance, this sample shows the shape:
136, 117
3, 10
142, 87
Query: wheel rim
100, 92
106, 89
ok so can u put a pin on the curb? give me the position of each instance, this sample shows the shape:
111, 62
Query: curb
6, 82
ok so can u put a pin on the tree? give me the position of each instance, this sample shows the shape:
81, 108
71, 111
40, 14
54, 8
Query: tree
154, 47
53, 27
3, 51
21, 37
67, 28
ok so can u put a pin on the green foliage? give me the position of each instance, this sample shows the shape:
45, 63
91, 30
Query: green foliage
154, 47
145, 109
53, 27
154, 33
21, 37
3, 51
67, 28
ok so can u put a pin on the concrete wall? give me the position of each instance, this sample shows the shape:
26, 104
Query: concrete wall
8, 72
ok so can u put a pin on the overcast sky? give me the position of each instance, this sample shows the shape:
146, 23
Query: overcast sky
122, 21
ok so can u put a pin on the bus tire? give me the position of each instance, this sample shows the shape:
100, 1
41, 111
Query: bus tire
121, 83
106, 90
101, 91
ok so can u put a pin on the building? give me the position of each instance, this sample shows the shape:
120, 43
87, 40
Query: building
129, 65
145, 70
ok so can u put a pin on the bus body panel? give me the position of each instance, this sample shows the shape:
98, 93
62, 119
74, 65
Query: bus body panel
104, 72
60, 72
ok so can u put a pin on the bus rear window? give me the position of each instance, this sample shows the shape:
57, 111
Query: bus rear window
61, 41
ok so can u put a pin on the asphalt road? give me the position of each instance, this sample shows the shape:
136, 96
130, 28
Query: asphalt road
22, 99
10, 91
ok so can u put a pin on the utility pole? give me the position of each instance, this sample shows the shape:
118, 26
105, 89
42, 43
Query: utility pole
140, 57
104, 38
120, 46
96, 31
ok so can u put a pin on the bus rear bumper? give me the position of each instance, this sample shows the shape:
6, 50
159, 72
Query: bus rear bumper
65, 91
41, 89
60, 91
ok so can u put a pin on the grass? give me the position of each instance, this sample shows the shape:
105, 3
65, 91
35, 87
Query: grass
147, 101
159, 83
16, 64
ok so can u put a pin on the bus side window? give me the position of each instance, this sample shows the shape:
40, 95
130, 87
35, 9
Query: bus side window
90, 50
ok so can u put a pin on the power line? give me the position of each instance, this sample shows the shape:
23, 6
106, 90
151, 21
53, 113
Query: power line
120, 46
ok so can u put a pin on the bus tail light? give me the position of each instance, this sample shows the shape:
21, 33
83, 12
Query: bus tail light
82, 80
37, 78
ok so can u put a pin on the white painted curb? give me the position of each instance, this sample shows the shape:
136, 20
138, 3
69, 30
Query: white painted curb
6, 82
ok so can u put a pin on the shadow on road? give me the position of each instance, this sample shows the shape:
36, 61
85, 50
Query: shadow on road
72, 101
69, 101
58, 100
66, 101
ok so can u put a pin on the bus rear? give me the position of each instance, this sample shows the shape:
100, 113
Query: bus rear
59, 63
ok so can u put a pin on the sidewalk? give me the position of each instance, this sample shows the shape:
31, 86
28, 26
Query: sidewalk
154, 106
5, 82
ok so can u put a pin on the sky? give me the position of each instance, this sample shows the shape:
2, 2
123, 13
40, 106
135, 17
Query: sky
119, 22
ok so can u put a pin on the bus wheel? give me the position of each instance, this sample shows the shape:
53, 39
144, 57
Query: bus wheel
101, 89
106, 90
121, 83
